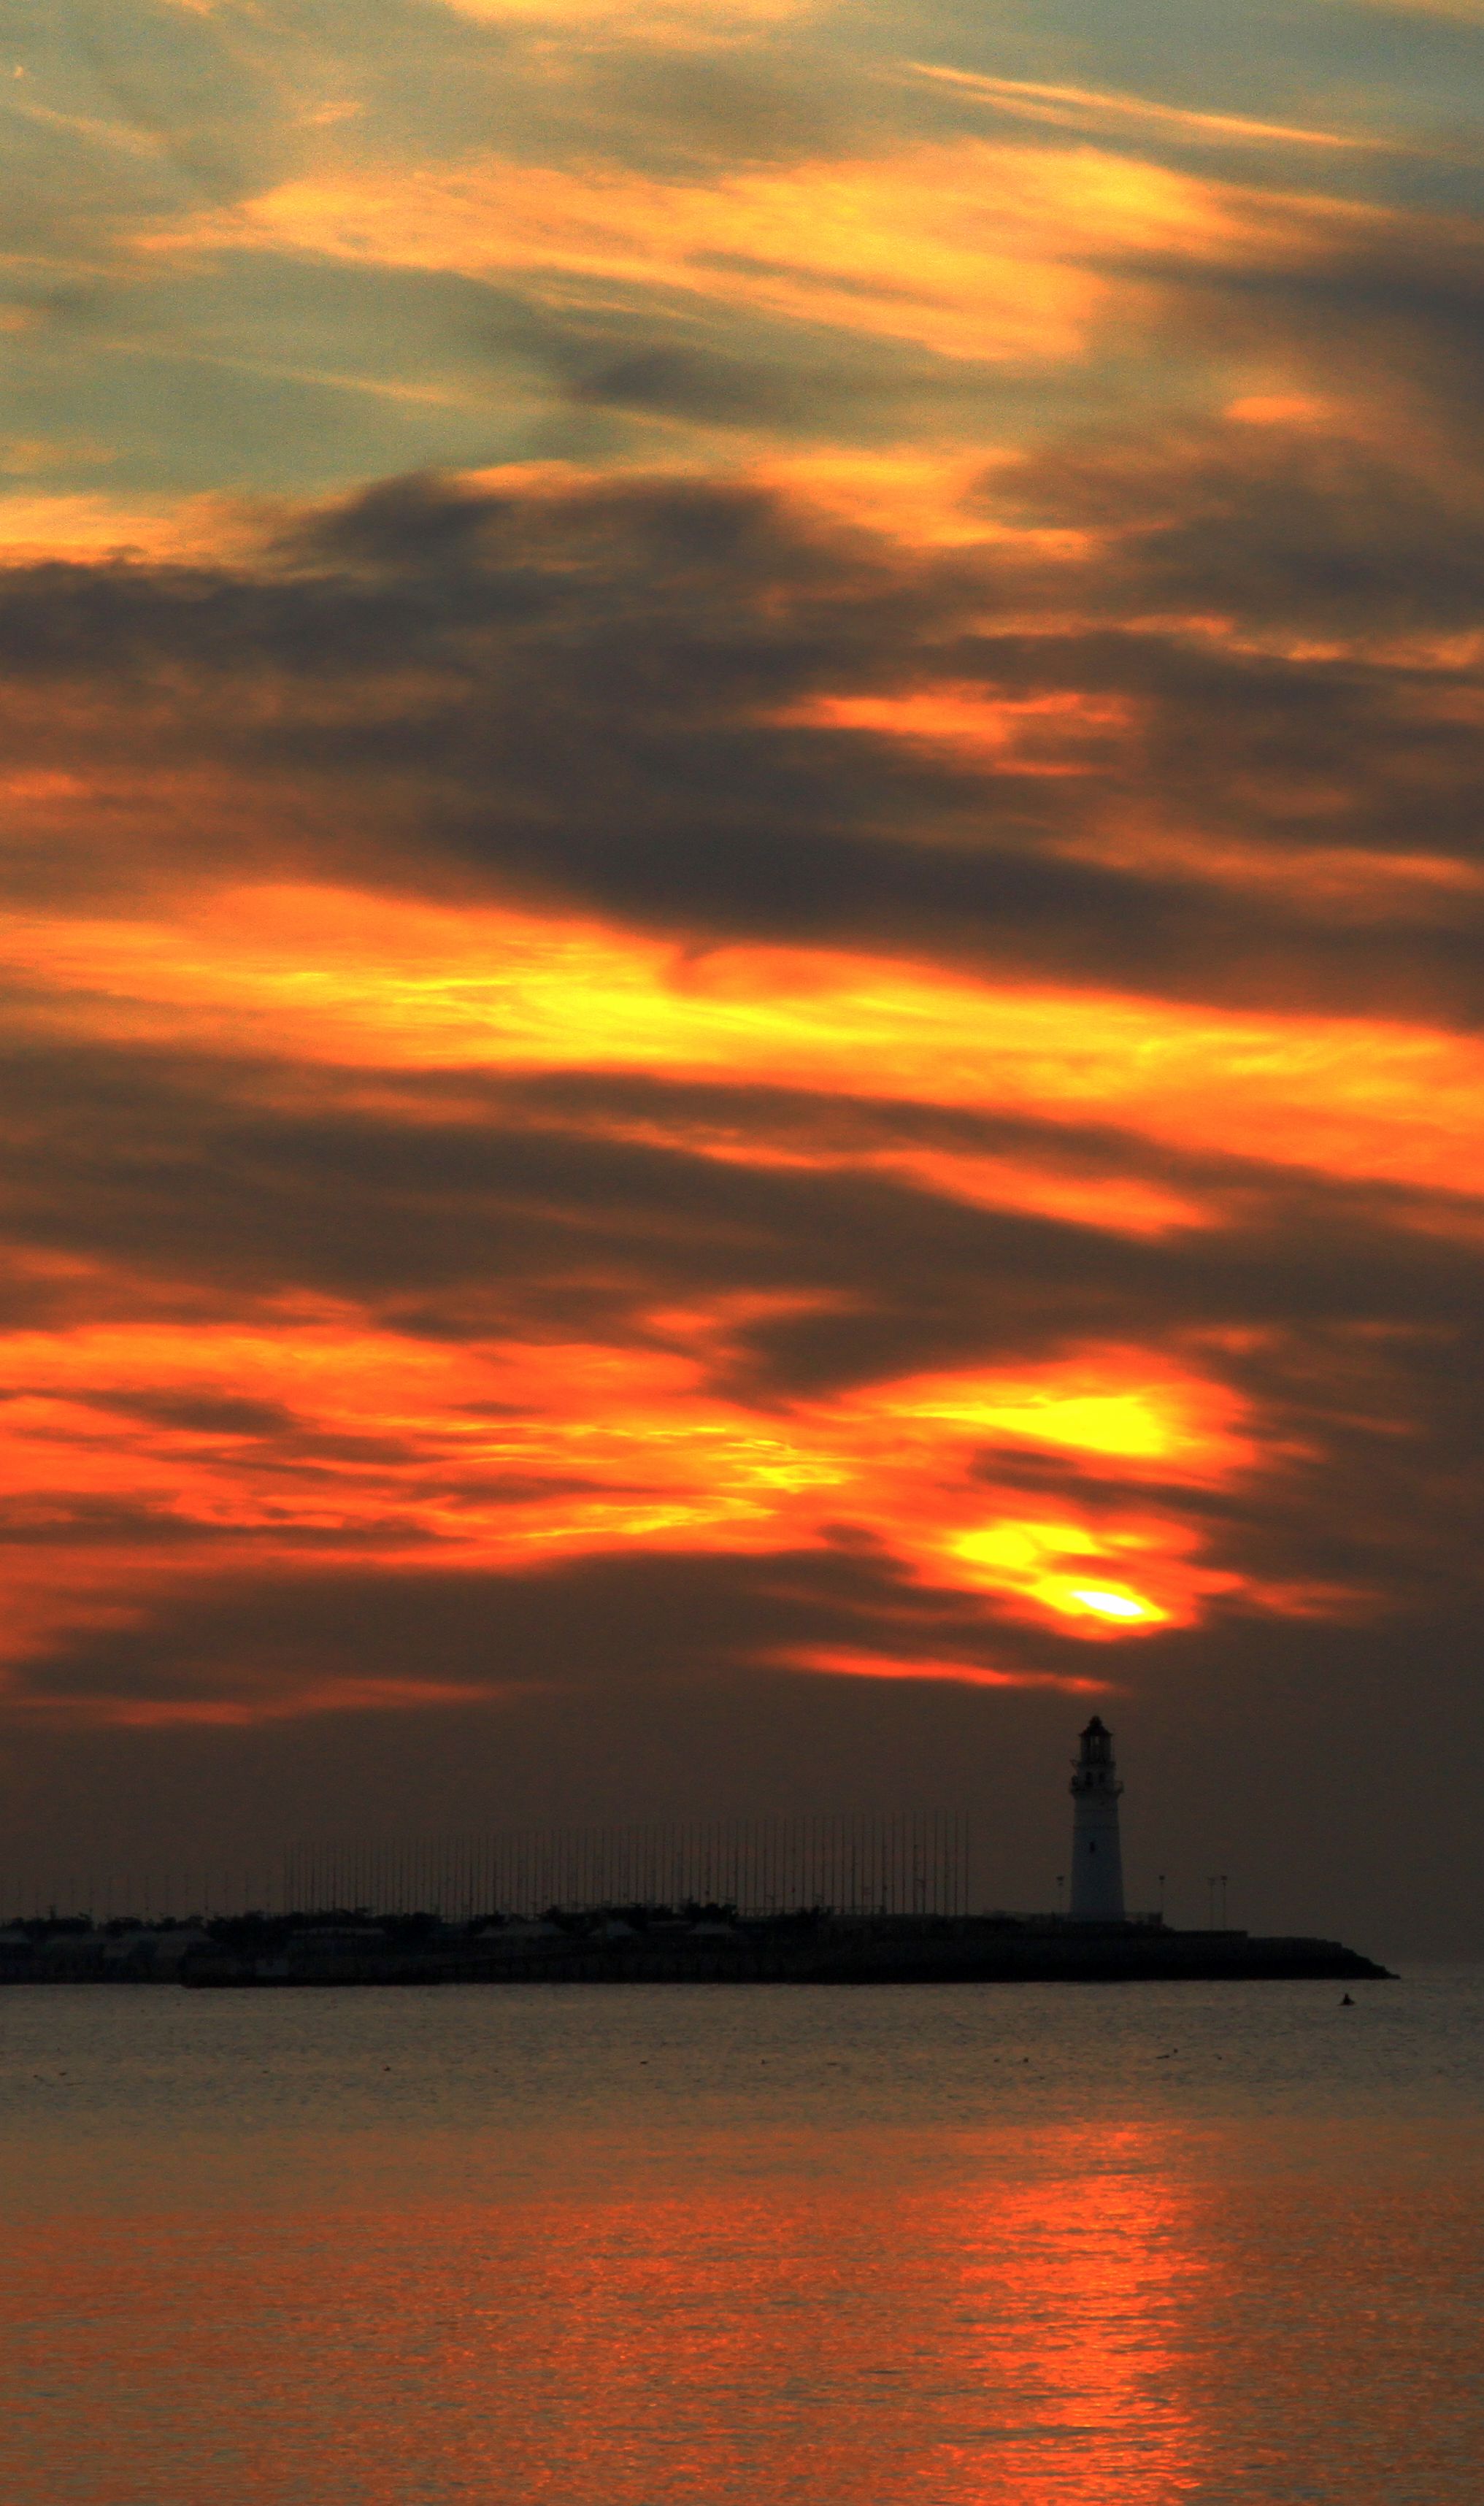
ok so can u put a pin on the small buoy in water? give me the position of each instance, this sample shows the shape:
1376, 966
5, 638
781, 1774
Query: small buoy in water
1345, 2002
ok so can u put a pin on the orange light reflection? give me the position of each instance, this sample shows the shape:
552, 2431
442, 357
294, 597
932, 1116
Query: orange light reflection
1094, 2246
810, 2307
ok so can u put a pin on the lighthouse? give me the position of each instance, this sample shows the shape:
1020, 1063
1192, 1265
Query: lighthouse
1097, 1862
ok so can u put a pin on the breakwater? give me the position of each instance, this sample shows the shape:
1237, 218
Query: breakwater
812, 1951
708, 1946
970, 1954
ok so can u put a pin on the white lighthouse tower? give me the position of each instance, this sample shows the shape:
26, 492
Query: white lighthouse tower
1097, 1861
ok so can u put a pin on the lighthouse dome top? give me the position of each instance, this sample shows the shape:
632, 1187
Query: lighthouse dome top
1095, 1729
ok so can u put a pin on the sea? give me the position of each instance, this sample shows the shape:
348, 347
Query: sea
628, 2245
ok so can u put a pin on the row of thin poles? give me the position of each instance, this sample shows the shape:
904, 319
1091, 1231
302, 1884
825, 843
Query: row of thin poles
913, 1863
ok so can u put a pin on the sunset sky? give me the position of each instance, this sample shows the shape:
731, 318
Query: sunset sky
743, 1009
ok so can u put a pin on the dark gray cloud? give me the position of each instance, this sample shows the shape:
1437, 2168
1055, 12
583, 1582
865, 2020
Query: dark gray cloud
594, 697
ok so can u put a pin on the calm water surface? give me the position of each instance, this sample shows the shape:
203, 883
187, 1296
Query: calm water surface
628, 2246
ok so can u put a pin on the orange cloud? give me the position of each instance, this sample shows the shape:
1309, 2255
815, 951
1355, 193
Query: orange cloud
848, 1662
924, 496
1279, 408
288, 1703
1331, 882
319, 975
1039, 1185
324, 1438
1063, 731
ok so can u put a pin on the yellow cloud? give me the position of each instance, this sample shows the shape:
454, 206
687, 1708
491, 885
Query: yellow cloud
972, 249
646, 19
1467, 13
1090, 109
